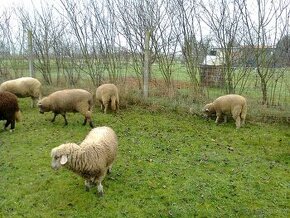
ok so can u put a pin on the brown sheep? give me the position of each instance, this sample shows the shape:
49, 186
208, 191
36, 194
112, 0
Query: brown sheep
68, 100
9, 109
236, 105
108, 93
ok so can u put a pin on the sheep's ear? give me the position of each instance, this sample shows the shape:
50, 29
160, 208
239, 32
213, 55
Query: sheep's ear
63, 159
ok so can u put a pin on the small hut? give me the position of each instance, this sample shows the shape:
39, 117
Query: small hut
212, 70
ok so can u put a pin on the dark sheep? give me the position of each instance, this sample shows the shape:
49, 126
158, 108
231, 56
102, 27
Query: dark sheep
9, 109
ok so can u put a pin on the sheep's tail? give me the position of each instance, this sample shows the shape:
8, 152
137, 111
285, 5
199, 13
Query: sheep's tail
18, 116
113, 102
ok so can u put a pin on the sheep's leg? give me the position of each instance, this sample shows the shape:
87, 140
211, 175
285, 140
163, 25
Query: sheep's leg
237, 116
242, 121
8, 122
106, 108
113, 103
117, 104
243, 114
218, 116
99, 180
109, 169
65, 120
85, 121
100, 189
106, 104
33, 102
89, 184
53, 119
225, 118
90, 122
238, 122
12, 125
102, 105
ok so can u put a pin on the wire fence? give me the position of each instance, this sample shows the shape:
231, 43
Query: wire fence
212, 82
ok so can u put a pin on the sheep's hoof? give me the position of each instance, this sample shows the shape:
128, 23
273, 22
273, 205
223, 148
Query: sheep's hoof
91, 124
109, 170
101, 194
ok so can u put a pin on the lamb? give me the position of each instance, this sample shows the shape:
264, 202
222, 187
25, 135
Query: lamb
107, 93
23, 87
68, 100
236, 105
9, 109
92, 159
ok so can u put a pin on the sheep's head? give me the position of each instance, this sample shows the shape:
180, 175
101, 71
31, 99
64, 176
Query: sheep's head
208, 110
42, 106
57, 159
61, 154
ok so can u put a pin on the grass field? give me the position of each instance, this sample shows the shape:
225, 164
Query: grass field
169, 165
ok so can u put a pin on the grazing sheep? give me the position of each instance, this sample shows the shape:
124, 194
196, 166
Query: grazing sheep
92, 159
23, 87
9, 109
235, 105
68, 100
107, 93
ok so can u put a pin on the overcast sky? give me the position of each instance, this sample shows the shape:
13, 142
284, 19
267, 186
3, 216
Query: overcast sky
8, 3
28, 4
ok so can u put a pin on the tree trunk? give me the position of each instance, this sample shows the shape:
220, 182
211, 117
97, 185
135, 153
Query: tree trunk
264, 91
30, 50
146, 65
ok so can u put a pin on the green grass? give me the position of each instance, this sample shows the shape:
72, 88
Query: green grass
169, 165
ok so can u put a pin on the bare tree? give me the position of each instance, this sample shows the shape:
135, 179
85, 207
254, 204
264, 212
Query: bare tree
222, 17
104, 27
189, 34
12, 45
165, 45
138, 20
4, 45
262, 33
79, 17
45, 29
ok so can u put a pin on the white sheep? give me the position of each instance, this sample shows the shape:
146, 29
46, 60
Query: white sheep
23, 87
108, 93
236, 105
68, 100
92, 159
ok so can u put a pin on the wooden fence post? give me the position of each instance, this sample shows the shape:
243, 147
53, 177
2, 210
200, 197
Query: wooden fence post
30, 55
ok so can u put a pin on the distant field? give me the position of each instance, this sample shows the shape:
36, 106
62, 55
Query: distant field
169, 165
